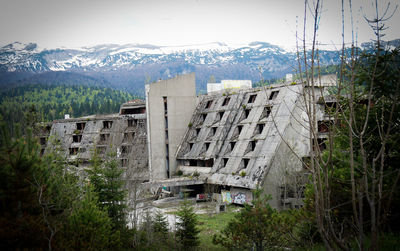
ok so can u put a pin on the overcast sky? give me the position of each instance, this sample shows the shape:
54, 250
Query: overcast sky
76, 23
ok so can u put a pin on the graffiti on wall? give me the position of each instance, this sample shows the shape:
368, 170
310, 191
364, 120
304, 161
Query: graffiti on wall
226, 197
239, 198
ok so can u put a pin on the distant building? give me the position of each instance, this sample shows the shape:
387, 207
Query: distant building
228, 84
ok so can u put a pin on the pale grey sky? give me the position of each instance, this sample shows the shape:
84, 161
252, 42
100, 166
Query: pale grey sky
76, 23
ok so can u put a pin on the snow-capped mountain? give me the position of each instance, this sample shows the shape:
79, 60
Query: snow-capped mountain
129, 66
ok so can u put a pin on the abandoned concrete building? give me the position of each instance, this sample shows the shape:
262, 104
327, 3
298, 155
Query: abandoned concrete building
227, 142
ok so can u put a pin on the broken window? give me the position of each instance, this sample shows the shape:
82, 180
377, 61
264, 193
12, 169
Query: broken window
252, 145
221, 115
273, 95
321, 144
252, 98
323, 126
259, 129
73, 151
80, 126
203, 117
131, 122
266, 112
226, 101
245, 162
208, 104
240, 127
77, 138
107, 124
224, 161
246, 113
213, 130
232, 145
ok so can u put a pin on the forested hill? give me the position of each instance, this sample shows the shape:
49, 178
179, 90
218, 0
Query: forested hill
49, 102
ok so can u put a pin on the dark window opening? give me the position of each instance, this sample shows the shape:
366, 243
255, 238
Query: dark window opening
43, 141
226, 101
240, 127
192, 162
207, 144
245, 162
209, 162
323, 126
107, 124
221, 115
224, 161
330, 107
203, 117
213, 130
273, 95
209, 103
198, 131
77, 138
73, 151
41, 152
252, 145
124, 162
252, 98
139, 110
48, 128
266, 112
246, 113
104, 137
259, 128
80, 126
321, 144
190, 146
232, 144
165, 104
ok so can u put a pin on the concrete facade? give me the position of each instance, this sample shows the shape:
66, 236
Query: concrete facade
123, 134
170, 105
234, 140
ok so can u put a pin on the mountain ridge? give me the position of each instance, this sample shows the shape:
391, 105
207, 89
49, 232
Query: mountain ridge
130, 66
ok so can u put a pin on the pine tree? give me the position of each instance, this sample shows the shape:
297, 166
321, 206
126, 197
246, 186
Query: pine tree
187, 231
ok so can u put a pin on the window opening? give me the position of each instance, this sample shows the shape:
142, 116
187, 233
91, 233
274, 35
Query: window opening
107, 124
224, 161
252, 98
73, 151
232, 144
80, 126
273, 95
259, 128
77, 138
208, 104
226, 101
246, 113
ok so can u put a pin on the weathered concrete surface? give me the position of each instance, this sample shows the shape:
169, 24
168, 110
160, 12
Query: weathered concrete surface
170, 105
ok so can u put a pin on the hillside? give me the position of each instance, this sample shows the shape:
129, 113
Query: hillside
49, 102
